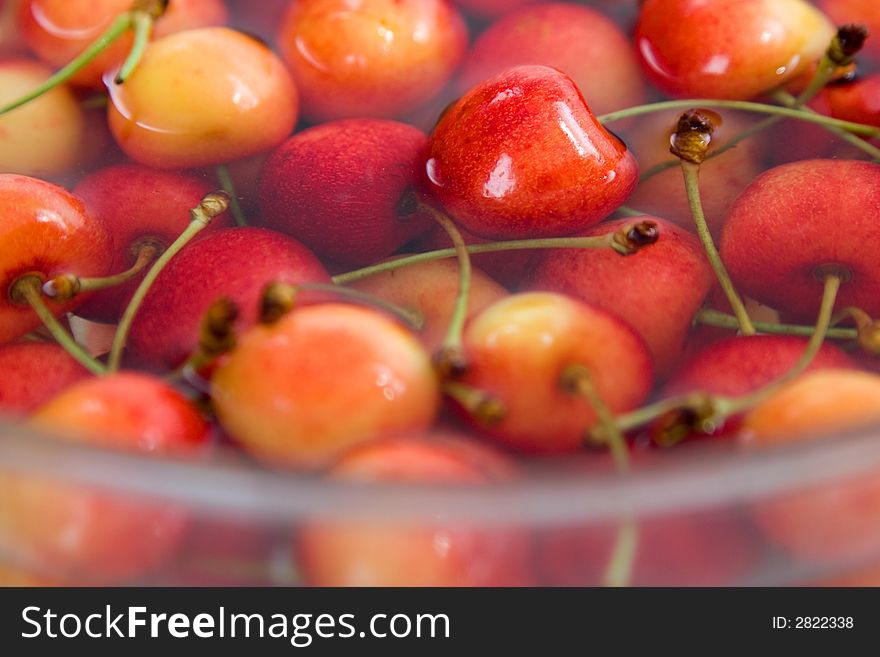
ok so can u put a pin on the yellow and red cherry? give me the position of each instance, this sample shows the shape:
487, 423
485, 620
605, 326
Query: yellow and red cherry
734, 49
96, 535
44, 138
300, 391
370, 58
522, 352
46, 231
34, 373
337, 188
437, 553
203, 97
579, 41
521, 156
657, 291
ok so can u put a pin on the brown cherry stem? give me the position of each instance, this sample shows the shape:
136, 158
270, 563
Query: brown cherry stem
216, 337
28, 290
211, 205
479, 404
67, 286
690, 144
628, 240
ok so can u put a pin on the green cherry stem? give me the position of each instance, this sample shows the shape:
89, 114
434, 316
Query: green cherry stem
619, 571
142, 26
719, 319
480, 405
28, 289
692, 184
212, 205
228, 185
122, 24
745, 106
627, 241
66, 286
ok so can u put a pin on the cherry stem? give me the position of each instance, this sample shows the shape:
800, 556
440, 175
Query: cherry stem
67, 286
745, 106
618, 572
787, 99
452, 343
142, 26
212, 205
479, 404
228, 186
691, 173
28, 289
119, 26
723, 320
621, 242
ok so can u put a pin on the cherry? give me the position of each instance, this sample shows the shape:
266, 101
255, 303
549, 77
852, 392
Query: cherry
657, 291
59, 30
11, 43
337, 187
236, 263
370, 58
203, 97
33, 373
142, 207
45, 138
521, 155
382, 553
787, 232
300, 391
45, 231
857, 100
832, 521
524, 352
72, 528
728, 48
577, 40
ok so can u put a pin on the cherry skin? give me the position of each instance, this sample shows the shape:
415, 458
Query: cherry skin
577, 40
107, 538
58, 30
11, 42
430, 289
337, 186
728, 48
519, 350
722, 178
323, 378
794, 220
45, 137
139, 205
203, 97
858, 100
236, 263
33, 373
46, 231
522, 156
370, 58
400, 554
834, 521
657, 291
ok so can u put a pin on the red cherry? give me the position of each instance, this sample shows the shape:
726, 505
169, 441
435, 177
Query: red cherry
521, 155
857, 101
657, 290
236, 263
375, 58
46, 231
399, 554
520, 349
94, 535
58, 30
203, 97
579, 41
33, 373
789, 226
139, 205
337, 187
728, 48
323, 378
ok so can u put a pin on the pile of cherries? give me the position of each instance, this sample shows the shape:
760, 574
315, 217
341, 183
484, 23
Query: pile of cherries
396, 240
